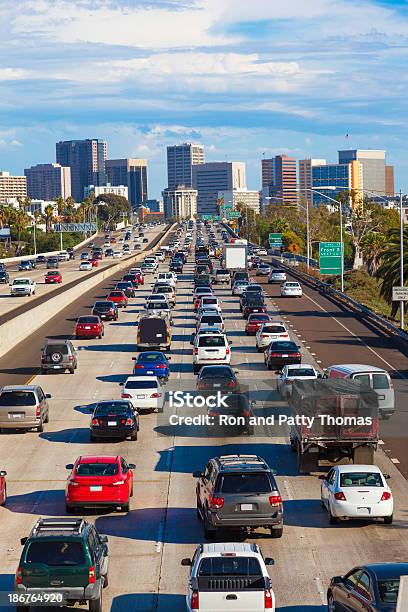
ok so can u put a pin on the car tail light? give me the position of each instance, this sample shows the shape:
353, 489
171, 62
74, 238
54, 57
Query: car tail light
137, 366
126, 396
288, 382
385, 496
91, 575
195, 351
297, 354
118, 482
70, 358
268, 600
246, 413
340, 496
230, 384
194, 602
73, 482
19, 577
161, 366
227, 350
275, 500
38, 411
216, 502
129, 421
275, 355
264, 335
156, 395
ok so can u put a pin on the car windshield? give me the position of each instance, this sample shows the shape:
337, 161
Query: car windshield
299, 372
229, 566
142, 384
361, 479
96, 469
210, 320
254, 482
88, 320
56, 552
112, 408
283, 346
151, 357
209, 341
389, 590
18, 398
21, 281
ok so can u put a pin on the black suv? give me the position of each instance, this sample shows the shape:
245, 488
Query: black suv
4, 277
106, 310
65, 557
238, 491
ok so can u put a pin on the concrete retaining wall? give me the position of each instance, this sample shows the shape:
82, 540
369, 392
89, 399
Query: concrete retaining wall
20, 327
48, 254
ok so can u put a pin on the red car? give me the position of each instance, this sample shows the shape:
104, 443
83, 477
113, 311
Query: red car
118, 297
254, 323
99, 481
95, 262
3, 487
139, 275
89, 326
53, 276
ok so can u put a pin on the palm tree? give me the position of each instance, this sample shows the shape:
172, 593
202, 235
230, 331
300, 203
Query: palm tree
49, 217
20, 222
389, 271
372, 248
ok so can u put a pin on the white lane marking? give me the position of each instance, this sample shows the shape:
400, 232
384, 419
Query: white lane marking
320, 589
160, 535
287, 488
357, 337
380, 442
394, 460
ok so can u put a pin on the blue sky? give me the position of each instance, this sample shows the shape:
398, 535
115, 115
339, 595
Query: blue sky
242, 77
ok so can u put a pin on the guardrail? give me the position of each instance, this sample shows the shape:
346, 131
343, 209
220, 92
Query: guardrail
342, 298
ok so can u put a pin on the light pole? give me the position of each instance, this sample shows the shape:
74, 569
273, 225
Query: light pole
35, 237
402, 303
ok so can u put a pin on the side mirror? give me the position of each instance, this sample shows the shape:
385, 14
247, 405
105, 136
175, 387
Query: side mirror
269, 561
121, 384
69, 466
197, 474
23, 541
387, 476
3, 473
103, 538
132, 466
186, 561
134, 358
319, 375
337, 580
48, 395
168, 358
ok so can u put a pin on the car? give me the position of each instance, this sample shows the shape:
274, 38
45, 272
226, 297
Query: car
84, 255
118, 297
130, 278
255, 321
144, 392
357, 492
152, 363
290, 373
239, 287
85, 266
68, 550
159, 307
94, 261
58, 355
145, 240
209, 301
374, 583
41, 259
99, 481
210, 350
23, 286
108, 252
218, 568
210, 320
238, 491
71, 252
252, 306
263, 269
117, 254
239, 275
167, 291
280, 353
106, 310
4, 277
176, 266
217, 377
126, 249
91, 244
52, 263
26, 265
63, 256
127, 287
153, 332
148, 268
138, 273
3, 487
262, 252
23, 407
114, 419
199, 293
268, 332
276, 276
53, 277
291, 289
89, 326
106, 243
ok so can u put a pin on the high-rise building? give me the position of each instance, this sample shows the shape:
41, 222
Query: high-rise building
155, 205
281, 169
373, 166
232, 198
389, 181
118, 190
12, 187
131, 172
267, 172
48, 181
180, 161
306, 178
180, 203
341, 177
211, 177
86, 158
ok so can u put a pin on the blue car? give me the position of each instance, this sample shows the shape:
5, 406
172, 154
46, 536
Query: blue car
152, 363
26, 265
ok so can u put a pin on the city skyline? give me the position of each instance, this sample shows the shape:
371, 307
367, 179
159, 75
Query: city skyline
243, 80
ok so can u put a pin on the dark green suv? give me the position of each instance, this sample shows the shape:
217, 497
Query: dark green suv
66, 557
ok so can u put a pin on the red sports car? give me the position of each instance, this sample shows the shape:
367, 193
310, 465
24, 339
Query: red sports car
254, 322
118, 297
89, 327
3, 487
99, 481
53, 276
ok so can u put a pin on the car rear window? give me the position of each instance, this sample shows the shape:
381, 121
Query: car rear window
96, 469
280, 345
229, 566
361, 479
209, 300
56, 552
292, 285
142, 384
56, 348
255, 482
112, 408
258, 317
152, 357
301, 372
252, 288
221, 272
219, 372
88, 320
157, 305
209, 341
18, 398
116, 293
273, 329
380, 381
103, 305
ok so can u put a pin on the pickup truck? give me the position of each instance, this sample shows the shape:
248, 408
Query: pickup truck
23, 286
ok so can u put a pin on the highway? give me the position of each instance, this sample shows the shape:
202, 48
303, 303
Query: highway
146, 545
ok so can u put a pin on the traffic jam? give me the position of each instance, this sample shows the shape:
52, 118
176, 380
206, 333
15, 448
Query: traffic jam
223, 470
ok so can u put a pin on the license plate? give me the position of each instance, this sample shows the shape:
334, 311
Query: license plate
140, 396
95, 488
102, 316
57, 367
381, 397
149, 372
364, 510
217, 385
112, 423
255, 310
285, 355
247, 507
16, 415
87, 327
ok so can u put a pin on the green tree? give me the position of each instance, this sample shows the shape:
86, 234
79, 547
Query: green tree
49, 217
373, 247
389, 270
111, 208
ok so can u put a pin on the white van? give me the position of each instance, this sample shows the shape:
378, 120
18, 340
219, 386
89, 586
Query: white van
379, 380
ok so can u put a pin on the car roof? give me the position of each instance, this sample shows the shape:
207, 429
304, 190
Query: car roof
241, 462
355, 467
296, 366
20, 388
357, 367
218, 548
141, 378
98, 459
388, 570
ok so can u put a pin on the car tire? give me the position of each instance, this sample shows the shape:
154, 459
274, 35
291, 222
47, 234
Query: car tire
388, 519
333, 520
40, 427
95, 605
3, 503
43, 371
100, 336
47, 418
209, 533
22, 608
250, 430
125, 507
69, 509
331, 604
105, 581
71, 370
277, 532
133, 437
91, 437
160, 409
268, 365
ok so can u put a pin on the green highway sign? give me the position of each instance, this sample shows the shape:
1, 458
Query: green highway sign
207, 217
233, 214
275, 240
216, 218
330, 257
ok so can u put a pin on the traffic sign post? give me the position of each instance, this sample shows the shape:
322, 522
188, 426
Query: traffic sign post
400, 294
275, 240
293, 248
330, 256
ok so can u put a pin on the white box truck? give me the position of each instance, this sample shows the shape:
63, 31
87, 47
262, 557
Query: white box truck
235, 256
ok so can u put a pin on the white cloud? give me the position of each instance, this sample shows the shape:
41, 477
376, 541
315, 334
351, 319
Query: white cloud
12, 74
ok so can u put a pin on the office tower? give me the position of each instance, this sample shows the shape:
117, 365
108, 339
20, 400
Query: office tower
12, 187
180, 161
155, 205
343, 177
373, 165
232, 198
306, 178
389, 181
86, 158
267, 172
48, 181
211, 177
98, 190
180, 202
281, 171
131, 172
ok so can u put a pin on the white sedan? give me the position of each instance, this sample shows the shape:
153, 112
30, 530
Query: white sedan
291, 289
85, 266
117, 254
268, 332
357, 492
295, 371
144, 392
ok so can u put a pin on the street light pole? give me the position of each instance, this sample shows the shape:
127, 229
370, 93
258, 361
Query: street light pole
341, 246
402, 303
35, 238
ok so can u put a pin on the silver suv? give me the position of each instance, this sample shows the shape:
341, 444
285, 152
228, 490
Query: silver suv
58, 355
23, 407
238, 491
